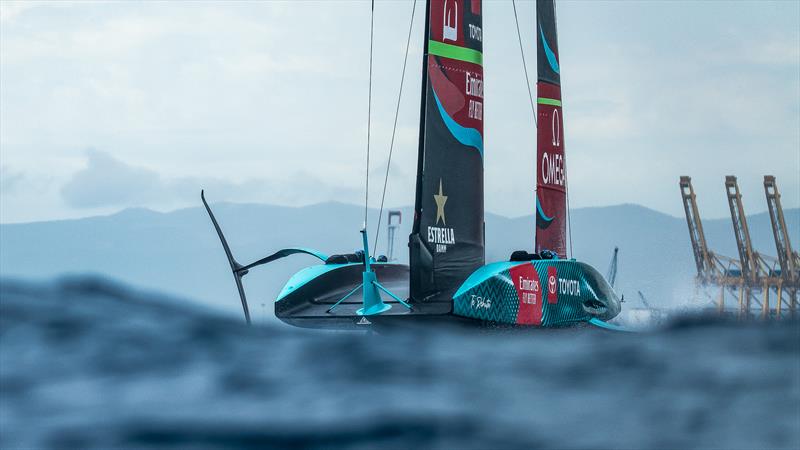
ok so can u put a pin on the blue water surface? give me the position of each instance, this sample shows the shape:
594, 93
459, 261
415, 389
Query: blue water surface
87, 363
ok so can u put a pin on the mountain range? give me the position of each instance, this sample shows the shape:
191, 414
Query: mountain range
178, 252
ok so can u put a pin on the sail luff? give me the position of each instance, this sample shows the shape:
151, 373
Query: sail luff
422, 103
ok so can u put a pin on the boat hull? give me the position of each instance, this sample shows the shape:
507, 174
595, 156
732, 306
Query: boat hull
540, 293
308, 297
517, 294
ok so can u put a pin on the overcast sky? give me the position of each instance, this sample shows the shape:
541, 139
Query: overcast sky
105, 106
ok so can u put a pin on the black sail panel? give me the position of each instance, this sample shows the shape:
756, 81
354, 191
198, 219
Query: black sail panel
547, 43
447, 241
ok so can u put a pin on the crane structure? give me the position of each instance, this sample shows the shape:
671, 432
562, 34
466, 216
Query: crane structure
788, 260
712, 269
611, 276
392, 229
753, 276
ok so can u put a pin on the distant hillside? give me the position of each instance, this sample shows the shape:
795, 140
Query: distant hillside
179, 253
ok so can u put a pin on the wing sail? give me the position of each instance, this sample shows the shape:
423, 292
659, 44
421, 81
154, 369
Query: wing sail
447, 241
551, 193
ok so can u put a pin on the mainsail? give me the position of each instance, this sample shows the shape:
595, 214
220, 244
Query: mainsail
447, 240
551, 194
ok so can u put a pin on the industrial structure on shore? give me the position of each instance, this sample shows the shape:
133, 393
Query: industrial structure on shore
754, 284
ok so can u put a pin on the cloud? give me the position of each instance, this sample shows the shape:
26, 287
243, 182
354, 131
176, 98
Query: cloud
9, 180
266, 101
109, 182
11, 9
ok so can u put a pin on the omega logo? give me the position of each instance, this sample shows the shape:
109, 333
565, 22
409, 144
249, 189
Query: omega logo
556, 128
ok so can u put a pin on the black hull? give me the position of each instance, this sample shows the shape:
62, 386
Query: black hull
309, 306
383, 322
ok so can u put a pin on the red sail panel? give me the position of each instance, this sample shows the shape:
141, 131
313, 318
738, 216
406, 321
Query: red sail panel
551, 193
455, 69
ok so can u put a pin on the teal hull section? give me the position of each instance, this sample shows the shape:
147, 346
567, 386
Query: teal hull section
543, 293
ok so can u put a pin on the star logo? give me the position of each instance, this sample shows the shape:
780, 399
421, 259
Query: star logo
440, 199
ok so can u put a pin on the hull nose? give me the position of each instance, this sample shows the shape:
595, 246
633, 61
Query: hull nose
604, 303
603, 309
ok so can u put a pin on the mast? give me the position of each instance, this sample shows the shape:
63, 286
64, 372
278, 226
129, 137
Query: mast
423, 97
551, 194
446, 244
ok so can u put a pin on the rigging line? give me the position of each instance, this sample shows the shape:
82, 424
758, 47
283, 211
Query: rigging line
566, 181
394, 129
369, 110
524, 64
569, 222
528, 84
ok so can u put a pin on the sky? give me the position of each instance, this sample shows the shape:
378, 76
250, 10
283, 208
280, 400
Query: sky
105, 106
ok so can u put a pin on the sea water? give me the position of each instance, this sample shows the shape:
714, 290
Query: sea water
86, 363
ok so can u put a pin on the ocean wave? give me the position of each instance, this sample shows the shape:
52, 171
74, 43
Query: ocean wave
90, 363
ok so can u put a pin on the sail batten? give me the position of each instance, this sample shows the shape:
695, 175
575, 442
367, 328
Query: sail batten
455, 52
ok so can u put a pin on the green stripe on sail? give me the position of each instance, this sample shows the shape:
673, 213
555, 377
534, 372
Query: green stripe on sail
548, 101
455, 52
